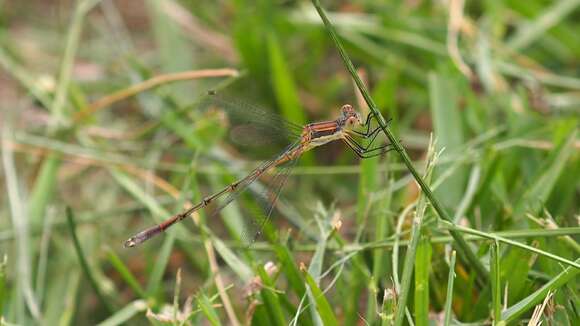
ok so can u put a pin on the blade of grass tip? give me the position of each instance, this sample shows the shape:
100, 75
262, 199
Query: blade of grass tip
290, 269
285, 88
510, 242
232, 260
83, 261
495, 273
24, 292
71, 47
125, 273
538, 296
422, 264
448, 129
160, 264
208, 310
546, 177
528, 33
462, 246
176, 294
450, 281
410, 255
173, 48
271, 299
67, 312
315, 266
322, 305
27, 80
43, 190
3, 290
125, 314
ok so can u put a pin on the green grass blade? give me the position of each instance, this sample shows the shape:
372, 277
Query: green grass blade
546, 177
84, 264
528, 33
462, 247
232, 260
410, 256
44, 189
422, 268
533, 299
3, 288
208, 310
322, 305
449, 299
283, 83
271, 299
511, 242
156, 276
124, 314
125, 273
448, 129
70, 50
495, 273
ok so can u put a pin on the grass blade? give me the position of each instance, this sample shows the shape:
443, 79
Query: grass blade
449, 299
271, 300
495, 273
551, 16
83, 262
538, 296
322, 306
208, 310
448, 129
462, 247
409, 264
546, 177
160, 264
125, 273
422, 264
122, 316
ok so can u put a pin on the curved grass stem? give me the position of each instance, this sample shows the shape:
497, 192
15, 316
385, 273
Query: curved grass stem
465, 252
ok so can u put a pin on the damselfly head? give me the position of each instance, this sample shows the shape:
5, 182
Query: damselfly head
350, 117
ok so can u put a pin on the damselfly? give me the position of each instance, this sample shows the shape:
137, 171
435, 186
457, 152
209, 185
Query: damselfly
348, 128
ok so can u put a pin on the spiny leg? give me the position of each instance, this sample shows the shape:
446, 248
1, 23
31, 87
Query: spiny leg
366, 153
365, 149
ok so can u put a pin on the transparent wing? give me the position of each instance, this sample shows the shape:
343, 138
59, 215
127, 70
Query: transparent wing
247, 125
265, 190
268, 198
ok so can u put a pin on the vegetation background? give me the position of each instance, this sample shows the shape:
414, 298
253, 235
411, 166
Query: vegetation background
100, 138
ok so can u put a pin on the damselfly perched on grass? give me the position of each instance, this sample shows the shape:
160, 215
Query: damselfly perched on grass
348, 128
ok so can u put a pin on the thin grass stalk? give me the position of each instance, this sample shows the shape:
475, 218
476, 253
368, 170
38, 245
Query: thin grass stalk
511, 242
409, 264
449, 300
463, 248
84, 263
494, 262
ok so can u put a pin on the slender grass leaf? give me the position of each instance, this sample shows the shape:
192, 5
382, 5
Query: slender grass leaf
124, 314
449, 299
156, 277
546, 177
448, 129
422, 268
513, 312
84, 263
322, 305
234, 262
125, 273
495, 273
208, 310
271, 300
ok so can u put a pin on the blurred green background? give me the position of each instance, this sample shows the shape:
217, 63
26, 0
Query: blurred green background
497, 84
